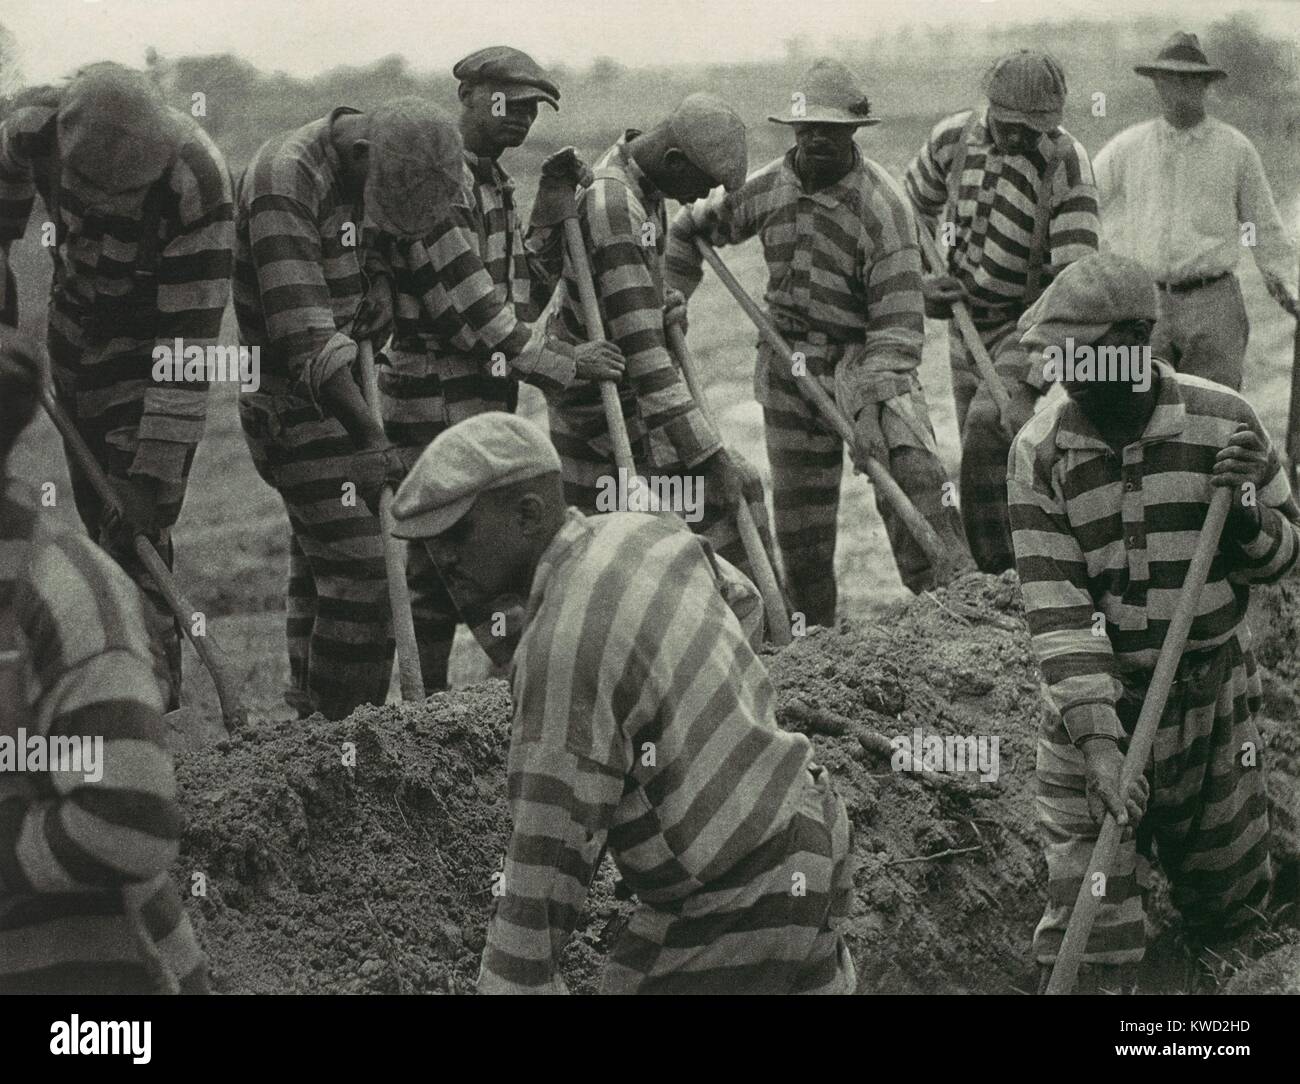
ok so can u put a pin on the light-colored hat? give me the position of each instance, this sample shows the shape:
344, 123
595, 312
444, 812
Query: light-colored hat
1086, 298
711, 134
1181, 54
484, 452
1027, 87
521, 78
115, 131
415, 166
828, 94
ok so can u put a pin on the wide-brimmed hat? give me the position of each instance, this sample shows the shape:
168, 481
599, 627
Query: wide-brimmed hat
1181, 54
1027, 87
828, 94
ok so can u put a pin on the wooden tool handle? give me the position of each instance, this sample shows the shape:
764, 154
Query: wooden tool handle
408, 654
778, 619
888, 489
233, 713
596, 333
1087, 903
966, 327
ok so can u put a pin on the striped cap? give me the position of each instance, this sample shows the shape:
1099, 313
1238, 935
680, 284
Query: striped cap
711, 134
1027, 87
116, 133
415, 166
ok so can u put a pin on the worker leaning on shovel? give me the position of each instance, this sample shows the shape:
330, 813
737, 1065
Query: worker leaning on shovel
1108, 490
700, 146
466, 298
87, 905
1013, 196
300, 281
643, 720
844, 288
140, 201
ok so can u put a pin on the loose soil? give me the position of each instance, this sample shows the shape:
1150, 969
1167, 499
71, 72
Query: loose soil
359, 855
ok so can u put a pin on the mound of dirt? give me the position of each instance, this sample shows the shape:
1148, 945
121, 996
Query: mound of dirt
359, 855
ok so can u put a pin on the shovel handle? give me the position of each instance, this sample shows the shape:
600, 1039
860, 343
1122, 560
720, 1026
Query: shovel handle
778, 620
596, 333
1087, 904
966, 327
888, 490
408, 654
233, 713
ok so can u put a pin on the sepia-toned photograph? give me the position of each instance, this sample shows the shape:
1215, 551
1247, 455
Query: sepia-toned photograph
650, 497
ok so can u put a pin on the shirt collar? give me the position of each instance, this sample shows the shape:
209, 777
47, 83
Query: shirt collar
574, 529
1194, 134
832, 194
486, 170
1166, 421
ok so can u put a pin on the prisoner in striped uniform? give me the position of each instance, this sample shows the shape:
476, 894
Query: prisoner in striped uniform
465, 299
844, 276
624, 231
1013, 196
299, 283
1108, 491
86, 902
140, 202
643, 722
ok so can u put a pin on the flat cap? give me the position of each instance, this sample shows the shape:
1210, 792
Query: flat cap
711, 134
116, 132
1086, 298
415, 166
1027, 87
484, 452
521, 77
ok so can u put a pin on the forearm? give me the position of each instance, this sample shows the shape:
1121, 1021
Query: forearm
560, 804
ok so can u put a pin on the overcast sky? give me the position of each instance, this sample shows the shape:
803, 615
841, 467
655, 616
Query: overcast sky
307, 36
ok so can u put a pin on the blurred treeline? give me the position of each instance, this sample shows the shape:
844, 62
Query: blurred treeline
913, 77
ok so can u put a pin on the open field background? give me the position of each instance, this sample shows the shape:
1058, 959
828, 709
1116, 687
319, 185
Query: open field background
232, 536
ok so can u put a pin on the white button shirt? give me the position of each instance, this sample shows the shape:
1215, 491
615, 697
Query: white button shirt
1177, 201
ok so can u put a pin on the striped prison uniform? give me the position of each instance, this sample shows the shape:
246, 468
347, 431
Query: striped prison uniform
298, 284
116, 295
87, 905
992, 208
1100, 533
643, 719
625, 232
844, 288
465, 297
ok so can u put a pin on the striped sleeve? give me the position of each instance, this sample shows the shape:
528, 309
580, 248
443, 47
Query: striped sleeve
562, 798
20, 139
118, 824
1076, 219
449, 259
286, 254
1075, 656
613, 232
731, 217
1271, 554
193, 287
926, 179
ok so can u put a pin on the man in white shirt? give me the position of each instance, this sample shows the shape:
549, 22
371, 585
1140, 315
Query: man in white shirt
1183, 194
